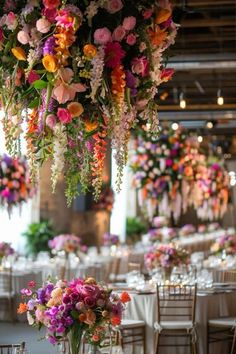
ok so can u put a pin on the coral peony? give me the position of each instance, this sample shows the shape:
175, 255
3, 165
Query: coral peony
102, 35
114, 6
129, 23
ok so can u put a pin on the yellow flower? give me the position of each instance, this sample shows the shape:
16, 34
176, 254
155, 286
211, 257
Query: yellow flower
75, 109
50, 63
90, 51
19, 53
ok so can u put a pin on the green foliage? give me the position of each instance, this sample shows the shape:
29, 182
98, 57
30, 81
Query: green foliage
37, 235
135, 228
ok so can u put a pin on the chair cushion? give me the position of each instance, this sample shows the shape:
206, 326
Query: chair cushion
223, 322
125, 324
188, 325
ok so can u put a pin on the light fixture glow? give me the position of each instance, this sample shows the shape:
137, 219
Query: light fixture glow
200, 139
175, 126
220, 98
182, 102
209, 125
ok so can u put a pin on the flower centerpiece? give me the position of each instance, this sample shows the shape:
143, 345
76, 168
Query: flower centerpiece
68, 243
159, 221
15, 186
77, 74
226, 244
164, 234
110, 239
5, 251
166, 256
187, 230
81, 308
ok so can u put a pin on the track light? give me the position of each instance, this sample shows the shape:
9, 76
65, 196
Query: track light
220, 98
182, 102
210, 124
175, 126
200, 139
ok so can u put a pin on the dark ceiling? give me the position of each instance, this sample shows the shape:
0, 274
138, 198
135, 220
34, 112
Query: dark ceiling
204, 58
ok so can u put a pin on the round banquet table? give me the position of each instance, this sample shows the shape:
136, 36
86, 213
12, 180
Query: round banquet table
144, 307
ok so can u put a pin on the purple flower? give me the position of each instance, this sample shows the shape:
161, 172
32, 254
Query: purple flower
49, 46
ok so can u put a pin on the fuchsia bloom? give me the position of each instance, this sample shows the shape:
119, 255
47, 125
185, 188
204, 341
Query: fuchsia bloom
131, 39
51, 4
113, 54
64, 19
64, 115
33, 76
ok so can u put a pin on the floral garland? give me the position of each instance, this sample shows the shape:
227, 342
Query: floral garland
110, 239
81, 307
105, 200
158, 171
171, 174
166, 256
78, 75
15, 186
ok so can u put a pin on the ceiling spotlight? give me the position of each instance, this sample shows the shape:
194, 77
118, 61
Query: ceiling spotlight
175, 126
182, 102
209, 124
220, 98
200, 139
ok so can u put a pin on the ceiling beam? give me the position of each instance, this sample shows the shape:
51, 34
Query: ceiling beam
198, 107
197, 23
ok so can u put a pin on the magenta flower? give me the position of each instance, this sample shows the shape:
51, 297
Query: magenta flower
113, 54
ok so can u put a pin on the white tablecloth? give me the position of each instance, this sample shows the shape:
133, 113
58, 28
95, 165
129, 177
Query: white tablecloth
144, 307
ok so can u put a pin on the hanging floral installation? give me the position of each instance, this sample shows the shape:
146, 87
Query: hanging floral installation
15, 186
79, 74
172, 174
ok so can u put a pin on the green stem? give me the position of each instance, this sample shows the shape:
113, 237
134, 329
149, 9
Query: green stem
48, 96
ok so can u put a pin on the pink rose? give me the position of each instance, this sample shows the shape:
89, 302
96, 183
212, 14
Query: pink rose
51, 121
43, 25
32, 77
114, 6
23, 37
131, 39
118, 34
11, 21
102, 35
129, 23
140, 66
64, 115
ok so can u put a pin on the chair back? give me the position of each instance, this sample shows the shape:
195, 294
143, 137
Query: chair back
176, 302
10, 348
229, 276
113, 269
6, 281
134, 266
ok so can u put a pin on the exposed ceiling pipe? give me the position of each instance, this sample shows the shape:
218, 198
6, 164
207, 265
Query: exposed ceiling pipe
199, 65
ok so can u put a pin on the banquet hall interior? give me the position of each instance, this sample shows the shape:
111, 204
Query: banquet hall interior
118, 176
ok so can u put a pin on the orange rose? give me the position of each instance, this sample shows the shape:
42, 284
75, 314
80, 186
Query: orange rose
90, 280
75, 109
89, 51
19, 53
188, 171
50, 63
124, 297
115, 321
22, 308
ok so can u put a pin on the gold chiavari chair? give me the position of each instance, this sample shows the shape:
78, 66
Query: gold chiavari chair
10, 348
6, 291
176, 307
113, 270
133, 332
229, 276
222, 330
